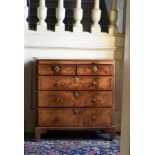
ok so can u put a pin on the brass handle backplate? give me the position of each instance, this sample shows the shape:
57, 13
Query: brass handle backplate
57, 100
95, 69
93, 100
57, 83
57, 69
94, 83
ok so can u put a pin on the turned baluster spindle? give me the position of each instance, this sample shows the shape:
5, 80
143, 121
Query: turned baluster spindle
96, 16
26, 15
78, 14
42, 13
114, 4
60, 15
113, 16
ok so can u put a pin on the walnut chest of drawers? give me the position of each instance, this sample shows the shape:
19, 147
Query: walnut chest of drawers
75, 95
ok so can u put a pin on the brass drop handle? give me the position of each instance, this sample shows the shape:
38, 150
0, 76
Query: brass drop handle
57, 100
95, 69
76, 111
93, 118
75, 94
94, 83
57, 83
57, 69
93, 100
56, 119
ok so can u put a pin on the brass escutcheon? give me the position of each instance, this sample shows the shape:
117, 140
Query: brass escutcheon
56, 119
76, 80
75, 94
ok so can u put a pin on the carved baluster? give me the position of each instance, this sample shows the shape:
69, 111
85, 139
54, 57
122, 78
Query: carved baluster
78, 14
60, 15
26, 15
42, 13
113, 18
96, 15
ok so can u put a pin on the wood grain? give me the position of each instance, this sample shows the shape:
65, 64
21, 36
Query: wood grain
76, 61
77, 97
75, 117
67, 99
100, 70
50, 70
67, 83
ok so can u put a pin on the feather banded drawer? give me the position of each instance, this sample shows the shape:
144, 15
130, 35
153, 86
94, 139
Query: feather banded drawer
75, 95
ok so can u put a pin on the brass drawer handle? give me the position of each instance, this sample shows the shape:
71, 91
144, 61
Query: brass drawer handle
95, 69
76, 111
93, 118
57, 69
56, 119
76, 80
93, 100
94, 83
57, 83
57, 100
75, 94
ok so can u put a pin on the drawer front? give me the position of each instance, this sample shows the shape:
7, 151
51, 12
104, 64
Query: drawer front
75, 98
74, 117
75, 83
56, 69
95, 70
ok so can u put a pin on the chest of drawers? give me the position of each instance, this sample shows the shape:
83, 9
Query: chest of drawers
75, 95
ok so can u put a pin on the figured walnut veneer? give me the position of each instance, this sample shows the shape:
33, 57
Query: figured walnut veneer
75, 95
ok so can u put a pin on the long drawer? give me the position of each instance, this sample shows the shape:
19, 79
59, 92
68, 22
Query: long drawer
75, 98
74, 117
75, 82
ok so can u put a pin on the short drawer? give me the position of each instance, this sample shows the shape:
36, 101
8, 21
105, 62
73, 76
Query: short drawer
74, 117
56, 69
75, 98
95, 70
75, 83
